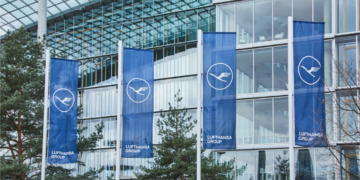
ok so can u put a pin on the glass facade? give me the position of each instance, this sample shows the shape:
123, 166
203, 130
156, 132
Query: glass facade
266, 164
169, 27
266, 69
262, 129
91, 36
256, 21
139, 24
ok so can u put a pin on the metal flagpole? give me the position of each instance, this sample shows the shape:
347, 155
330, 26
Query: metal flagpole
119, 109
199, 103
46, 99
291, 96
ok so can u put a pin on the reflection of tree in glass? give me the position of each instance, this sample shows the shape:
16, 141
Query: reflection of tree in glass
240, 171
175, 157
304, 165
282, 168
262, 174
62, 54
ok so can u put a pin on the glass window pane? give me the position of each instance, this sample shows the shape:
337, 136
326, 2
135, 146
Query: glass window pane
244, 72
137, 38
80, 74
180, 61
191, 52
106, 41
244, 122
109, 131
89, 73
99, 102
281, 164
329, 116
245, 165
148, 8
97, 77
204, 20
244, 22
159, 33
164, 91
225, 158
281, 120
148, 35
170, 30
304, 164
182, 5
159, 7
94, 160
170, 5
128, 35
118, 12
302, 10
322, 13
264, 164
263, 70
138, 9
350, 163
169, 61
213, 20
79, 102
180, 27
282, 10
158, 64
280, 68
194, 3
226, 18
328, 62
192, 27
347, 62
108, 100
348, 126
114, 70
263, 20
346, 16
263, 121
325, 164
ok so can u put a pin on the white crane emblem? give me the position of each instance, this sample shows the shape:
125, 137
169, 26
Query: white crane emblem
64, 100
221, 76
312, 69
139, 90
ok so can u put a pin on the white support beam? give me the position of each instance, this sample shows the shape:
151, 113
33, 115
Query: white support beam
119, 109
199, 103
291, 96
42, 18
45, 117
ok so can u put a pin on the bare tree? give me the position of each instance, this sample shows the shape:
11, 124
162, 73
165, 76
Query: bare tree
342, 119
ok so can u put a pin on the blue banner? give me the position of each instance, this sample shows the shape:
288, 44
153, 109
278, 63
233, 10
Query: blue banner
63, 111
310, 124
138, 103
219, 90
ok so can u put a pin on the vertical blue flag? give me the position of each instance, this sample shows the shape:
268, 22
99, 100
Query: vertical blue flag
310, 126
138, 103
219, 94
63, 111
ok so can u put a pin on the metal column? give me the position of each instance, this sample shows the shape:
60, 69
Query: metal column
119, 108
42, 21
199, 103
291, 96
46, 103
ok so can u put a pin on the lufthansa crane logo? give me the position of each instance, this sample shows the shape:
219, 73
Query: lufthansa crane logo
138, 90
221, 76
63, 99
309, 70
